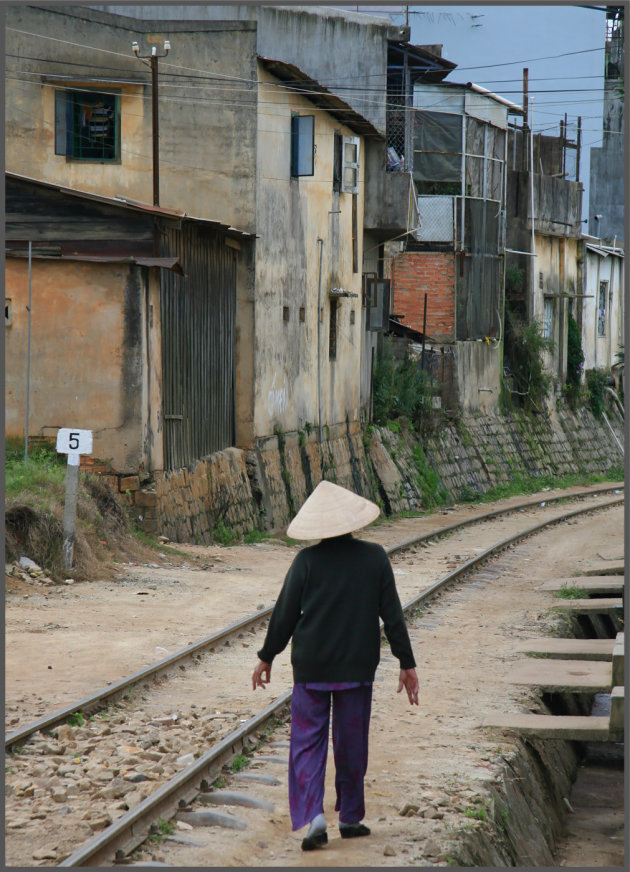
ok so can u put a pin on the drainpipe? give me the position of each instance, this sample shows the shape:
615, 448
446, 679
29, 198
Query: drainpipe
319, 345
28, 352
615, 397
605, 417
531, 176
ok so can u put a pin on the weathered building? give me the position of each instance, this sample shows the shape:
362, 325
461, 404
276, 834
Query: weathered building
262, 334
122, 341
307, 299
78, 108
608, 164
601, 315
371, 66
448, 279
543, 253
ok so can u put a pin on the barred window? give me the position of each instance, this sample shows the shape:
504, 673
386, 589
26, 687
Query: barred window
87, 125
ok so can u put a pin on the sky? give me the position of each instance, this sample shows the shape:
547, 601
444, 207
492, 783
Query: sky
492, 44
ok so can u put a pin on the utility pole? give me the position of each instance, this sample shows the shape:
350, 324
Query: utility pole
153, 58
524, 156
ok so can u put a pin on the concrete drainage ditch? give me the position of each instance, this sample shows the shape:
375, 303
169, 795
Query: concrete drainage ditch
558, 801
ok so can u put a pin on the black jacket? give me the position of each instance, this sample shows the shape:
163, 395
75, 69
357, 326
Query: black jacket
330, 603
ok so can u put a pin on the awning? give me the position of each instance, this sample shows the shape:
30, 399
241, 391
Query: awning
169, 263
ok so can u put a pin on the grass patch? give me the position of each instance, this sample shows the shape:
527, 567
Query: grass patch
570, 592
76, 719
521, 485
34, 507
239, 762
148, 540
254, 536
433, 492
222, 534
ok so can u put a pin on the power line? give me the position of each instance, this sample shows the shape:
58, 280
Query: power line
531, 60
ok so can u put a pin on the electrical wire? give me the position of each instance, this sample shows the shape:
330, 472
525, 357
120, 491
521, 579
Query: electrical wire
337, 80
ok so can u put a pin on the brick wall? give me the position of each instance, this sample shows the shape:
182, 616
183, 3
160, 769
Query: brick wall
416, 273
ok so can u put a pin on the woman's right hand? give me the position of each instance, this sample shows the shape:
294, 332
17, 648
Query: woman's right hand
258, 677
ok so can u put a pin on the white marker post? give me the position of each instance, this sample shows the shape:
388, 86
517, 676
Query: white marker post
73, 443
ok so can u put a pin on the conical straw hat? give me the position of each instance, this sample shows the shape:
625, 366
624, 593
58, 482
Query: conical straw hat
332, 511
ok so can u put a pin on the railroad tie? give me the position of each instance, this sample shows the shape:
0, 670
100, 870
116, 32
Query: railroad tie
211, 819
228, 797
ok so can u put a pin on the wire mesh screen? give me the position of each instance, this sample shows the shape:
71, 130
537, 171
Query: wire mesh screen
396, 127
436, 219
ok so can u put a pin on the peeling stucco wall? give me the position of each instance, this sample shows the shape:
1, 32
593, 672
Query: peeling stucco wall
292, 357
90, 371
206, 144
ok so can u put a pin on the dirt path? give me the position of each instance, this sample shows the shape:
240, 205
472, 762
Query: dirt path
63, 642
434, 756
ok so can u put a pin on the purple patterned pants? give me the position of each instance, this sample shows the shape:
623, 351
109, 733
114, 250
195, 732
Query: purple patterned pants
310, 717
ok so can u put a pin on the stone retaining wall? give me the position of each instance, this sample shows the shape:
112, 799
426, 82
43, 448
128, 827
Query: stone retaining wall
263, 487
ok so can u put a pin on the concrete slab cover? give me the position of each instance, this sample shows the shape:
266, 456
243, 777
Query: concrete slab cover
599, 606
593, 583
571, 649
563, 675
605, 569
585, 729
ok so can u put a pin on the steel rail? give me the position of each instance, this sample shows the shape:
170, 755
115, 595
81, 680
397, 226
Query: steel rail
95, 701
132, 828
129, 831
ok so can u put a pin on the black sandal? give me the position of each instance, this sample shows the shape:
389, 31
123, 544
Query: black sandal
353, 830
311, 843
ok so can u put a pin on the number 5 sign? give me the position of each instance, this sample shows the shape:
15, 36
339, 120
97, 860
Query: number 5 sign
73, 443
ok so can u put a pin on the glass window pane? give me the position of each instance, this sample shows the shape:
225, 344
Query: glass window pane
350, 177
350, 154
94, 126
302, 138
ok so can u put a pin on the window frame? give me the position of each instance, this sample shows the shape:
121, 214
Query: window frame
602, 311
354, 141
333, 328
66, 102
297, 136
549, 311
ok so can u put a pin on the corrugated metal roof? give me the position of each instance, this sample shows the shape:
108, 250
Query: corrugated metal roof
310, 88
131, 204
604, 250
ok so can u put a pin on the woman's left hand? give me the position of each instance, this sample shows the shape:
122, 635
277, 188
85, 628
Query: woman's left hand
409, 680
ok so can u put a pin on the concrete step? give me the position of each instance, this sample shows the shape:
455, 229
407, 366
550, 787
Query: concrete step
618, 661
595, 606
593, 584
584, 729
617, 699
569, 649
558, 676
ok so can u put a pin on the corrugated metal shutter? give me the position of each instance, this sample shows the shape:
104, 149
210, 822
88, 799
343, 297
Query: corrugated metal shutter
198, 345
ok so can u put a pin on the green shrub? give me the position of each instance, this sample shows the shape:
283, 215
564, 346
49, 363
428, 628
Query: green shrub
525, 346
575, 362
401, 390
596, 381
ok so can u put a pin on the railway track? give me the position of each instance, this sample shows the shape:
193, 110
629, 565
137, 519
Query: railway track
120, 837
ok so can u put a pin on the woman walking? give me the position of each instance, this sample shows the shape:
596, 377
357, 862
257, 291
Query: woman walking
329, 606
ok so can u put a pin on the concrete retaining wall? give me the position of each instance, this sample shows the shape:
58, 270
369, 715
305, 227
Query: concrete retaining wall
264, 487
